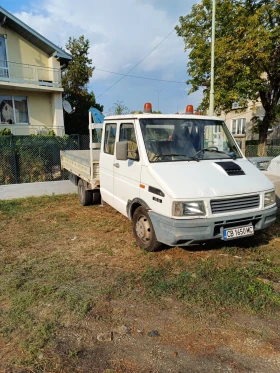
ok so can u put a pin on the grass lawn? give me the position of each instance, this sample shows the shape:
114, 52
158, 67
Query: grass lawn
78, 295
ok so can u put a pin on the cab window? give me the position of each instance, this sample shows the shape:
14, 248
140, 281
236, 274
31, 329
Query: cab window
110, 137
127, 133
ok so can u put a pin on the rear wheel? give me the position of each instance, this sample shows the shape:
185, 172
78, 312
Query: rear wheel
96, 197
85, 196
143, 230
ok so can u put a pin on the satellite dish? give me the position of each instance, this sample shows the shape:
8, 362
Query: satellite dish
67, 106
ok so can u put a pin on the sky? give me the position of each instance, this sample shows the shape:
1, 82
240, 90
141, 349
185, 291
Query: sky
121, 34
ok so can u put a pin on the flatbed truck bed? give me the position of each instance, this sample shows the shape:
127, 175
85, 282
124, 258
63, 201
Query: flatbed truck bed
78, 162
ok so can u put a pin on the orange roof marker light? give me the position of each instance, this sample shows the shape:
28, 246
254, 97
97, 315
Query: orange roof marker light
148, 107
189, 109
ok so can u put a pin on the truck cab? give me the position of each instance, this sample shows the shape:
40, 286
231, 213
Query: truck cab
181, 179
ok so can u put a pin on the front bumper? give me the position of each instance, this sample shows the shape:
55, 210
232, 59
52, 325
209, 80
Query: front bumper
185, 232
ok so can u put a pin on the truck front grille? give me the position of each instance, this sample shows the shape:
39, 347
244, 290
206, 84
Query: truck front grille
219, 206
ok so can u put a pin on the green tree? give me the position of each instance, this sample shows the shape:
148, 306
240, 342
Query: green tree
247, 55
75, 81
119, 109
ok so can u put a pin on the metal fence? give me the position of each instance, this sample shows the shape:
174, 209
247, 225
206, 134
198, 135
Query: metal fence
27, 159
271, 150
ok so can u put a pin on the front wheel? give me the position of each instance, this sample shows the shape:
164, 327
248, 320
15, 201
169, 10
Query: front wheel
143, 230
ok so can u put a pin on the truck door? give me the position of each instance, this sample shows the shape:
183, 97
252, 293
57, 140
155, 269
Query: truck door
126, 173
106, 169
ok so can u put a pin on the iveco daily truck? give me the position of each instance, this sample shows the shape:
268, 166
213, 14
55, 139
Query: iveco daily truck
181, 179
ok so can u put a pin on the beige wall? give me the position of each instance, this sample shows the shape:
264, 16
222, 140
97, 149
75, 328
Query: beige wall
44, 109
40, 109
247, 113
39, 105
57, 110
251, 111
20, 50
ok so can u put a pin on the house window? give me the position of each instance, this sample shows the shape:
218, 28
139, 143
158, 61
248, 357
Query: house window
238, 126
238, 105
4, 73
13, 110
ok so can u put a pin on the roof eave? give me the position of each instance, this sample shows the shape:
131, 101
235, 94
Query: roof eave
60, 53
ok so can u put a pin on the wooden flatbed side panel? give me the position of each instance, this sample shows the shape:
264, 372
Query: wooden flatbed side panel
76, 168
81, 170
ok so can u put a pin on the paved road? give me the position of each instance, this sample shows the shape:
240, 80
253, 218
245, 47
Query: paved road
36, 189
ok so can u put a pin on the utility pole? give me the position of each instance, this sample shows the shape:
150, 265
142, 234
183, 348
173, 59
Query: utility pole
211, 106
158, 90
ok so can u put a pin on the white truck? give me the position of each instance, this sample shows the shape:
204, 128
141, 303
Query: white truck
181, 179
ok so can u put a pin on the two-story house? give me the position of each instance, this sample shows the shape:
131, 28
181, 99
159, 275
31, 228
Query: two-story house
240, 121
30, 79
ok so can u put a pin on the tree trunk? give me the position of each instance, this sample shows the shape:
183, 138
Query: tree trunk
262, 143
263, 136
269, 100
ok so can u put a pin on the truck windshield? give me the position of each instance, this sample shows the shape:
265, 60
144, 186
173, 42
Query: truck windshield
168, 140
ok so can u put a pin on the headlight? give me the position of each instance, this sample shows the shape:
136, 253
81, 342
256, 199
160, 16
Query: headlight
269, 198
194, 208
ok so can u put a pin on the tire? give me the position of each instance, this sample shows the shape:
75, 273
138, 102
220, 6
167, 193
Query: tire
143, 230
85, 196
96, 197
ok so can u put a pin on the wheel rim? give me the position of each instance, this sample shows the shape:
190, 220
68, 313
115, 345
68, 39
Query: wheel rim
143, 229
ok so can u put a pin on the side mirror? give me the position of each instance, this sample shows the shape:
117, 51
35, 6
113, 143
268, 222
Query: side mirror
121, 150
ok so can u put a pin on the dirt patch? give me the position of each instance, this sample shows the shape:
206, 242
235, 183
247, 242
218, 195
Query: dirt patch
77, 295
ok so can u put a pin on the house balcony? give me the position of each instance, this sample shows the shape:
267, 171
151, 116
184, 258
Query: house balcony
15, 75
29, 129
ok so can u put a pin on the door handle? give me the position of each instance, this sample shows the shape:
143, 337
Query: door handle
116, 165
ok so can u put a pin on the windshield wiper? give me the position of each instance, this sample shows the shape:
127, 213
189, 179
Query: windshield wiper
157, 156
213, 149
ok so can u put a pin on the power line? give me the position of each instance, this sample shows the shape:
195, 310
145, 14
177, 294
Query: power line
136, 64
140, 77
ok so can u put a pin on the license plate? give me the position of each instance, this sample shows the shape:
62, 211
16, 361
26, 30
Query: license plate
238, 232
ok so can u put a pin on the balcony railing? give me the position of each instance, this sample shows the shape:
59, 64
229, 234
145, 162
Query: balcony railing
15, 72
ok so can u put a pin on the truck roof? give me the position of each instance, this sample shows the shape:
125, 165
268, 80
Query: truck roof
163, 116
